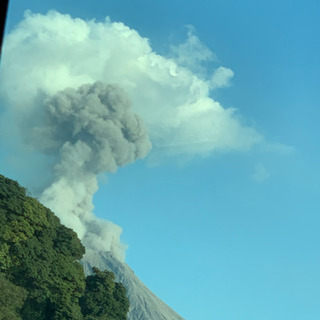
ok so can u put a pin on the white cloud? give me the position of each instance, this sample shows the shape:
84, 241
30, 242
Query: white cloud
278, 148
47, 53
221, 77
192, 53
260, 173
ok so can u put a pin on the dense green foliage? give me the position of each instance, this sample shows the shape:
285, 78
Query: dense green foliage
103, 298
11, 299
39, 262
39, 254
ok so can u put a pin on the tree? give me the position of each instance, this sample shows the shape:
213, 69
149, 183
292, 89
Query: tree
103, 298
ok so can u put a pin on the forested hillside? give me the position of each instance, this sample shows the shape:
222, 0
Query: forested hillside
40, 276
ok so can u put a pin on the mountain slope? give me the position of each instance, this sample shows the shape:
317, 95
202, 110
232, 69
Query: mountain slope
144, 305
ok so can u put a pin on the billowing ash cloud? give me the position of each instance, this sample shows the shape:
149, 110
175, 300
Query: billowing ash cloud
95, 124
88, 131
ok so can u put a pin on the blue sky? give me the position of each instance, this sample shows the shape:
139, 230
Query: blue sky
231, 231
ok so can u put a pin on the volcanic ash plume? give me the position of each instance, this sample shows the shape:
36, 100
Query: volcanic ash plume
88, 131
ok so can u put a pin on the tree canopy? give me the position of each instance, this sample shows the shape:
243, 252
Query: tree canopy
103, 298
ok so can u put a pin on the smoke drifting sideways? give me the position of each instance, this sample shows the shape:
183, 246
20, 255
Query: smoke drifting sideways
88, 131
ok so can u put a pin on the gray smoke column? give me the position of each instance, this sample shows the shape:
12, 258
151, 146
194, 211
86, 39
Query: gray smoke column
87, 131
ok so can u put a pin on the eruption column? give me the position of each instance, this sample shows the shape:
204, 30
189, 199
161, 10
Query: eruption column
88, 131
